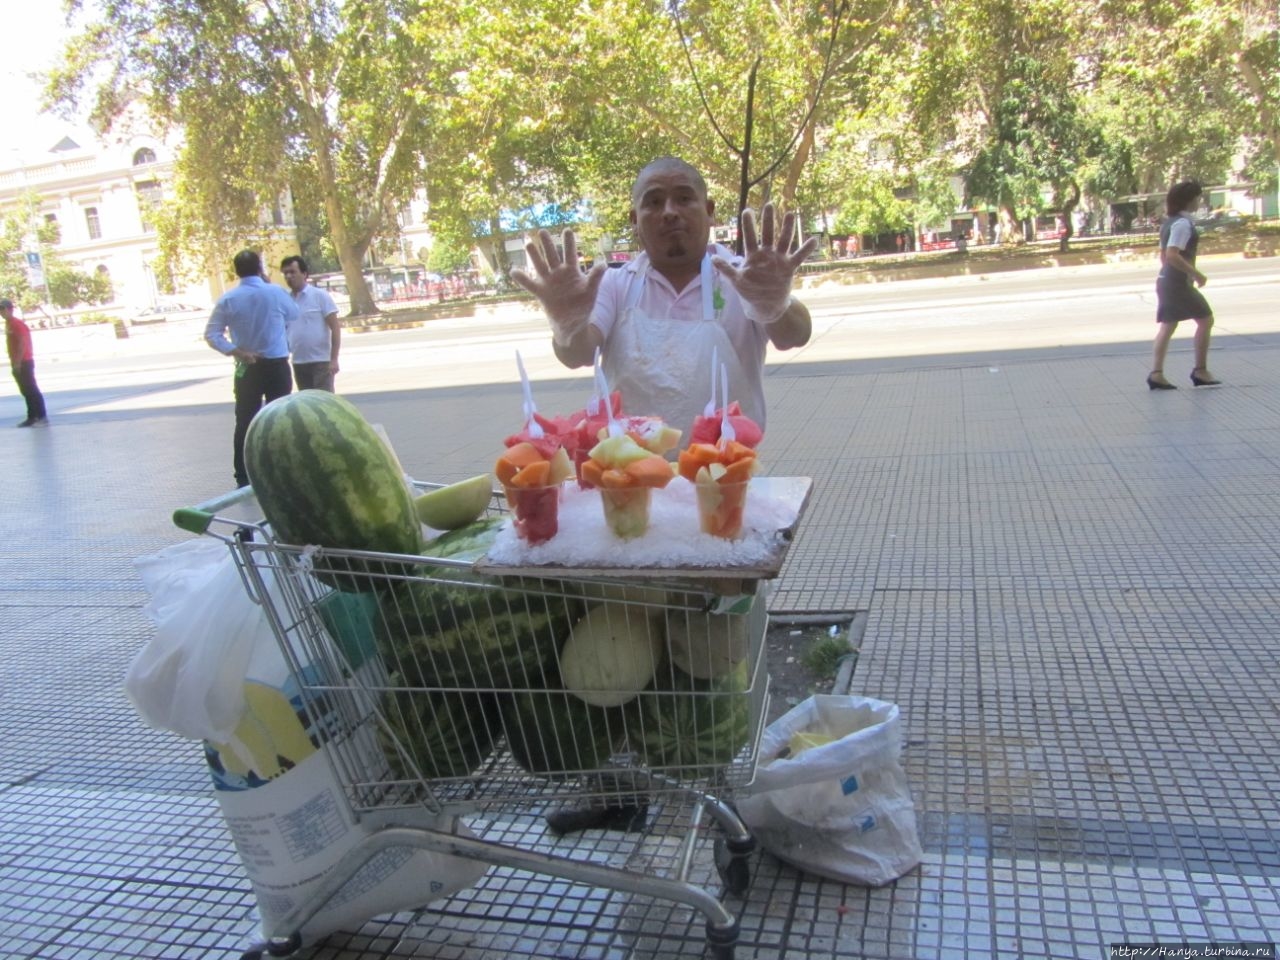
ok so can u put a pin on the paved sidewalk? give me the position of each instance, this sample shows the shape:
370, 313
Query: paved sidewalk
1071, 590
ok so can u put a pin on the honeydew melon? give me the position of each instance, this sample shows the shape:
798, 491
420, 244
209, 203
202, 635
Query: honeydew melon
706, 645
455, 505
611, 655
618, 451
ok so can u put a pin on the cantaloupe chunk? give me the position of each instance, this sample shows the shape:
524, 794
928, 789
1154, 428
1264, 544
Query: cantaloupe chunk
650, 472
591, 472
614, 479
739, 471
536, 474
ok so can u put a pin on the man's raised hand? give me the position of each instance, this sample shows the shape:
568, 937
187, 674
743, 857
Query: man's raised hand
764, 279
565, 292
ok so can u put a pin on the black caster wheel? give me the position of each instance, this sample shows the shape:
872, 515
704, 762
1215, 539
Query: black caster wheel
284, 946
733, 863
721, 941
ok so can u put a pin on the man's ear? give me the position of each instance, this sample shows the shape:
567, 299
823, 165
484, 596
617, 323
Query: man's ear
632, 216
711, 207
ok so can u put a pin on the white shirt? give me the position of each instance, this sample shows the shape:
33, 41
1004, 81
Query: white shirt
309, 338
1180, 233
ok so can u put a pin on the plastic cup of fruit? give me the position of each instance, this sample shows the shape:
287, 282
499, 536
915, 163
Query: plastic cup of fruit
720, 508
626, 510
536, 511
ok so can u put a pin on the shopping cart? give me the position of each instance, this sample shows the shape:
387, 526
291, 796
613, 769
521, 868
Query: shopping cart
452, 679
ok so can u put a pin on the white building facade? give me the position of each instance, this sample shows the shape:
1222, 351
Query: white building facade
100, 193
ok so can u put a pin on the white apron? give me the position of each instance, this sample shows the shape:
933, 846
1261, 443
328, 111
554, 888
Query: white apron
662, 365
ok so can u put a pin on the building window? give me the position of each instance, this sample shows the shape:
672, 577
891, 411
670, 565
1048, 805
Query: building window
93, 223
144, 156
150, 196
50, 218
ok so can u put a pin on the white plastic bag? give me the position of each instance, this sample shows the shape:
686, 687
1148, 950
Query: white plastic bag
189, 678
842, 809
214, 671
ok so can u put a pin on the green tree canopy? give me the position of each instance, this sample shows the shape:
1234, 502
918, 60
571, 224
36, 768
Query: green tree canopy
272, 96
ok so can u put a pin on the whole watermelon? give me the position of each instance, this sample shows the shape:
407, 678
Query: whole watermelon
322, 476
692, 727
454, 629
552, 733
444, 735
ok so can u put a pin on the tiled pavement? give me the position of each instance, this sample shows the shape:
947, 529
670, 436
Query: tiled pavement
1071, 590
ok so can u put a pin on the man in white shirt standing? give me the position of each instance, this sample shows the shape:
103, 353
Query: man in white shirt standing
314, 338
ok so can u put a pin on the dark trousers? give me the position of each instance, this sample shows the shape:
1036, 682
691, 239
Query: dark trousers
313, 376
256, 383
25, 375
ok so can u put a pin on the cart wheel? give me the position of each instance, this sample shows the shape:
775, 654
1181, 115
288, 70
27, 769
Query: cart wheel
284, 946
733, 863
721, 941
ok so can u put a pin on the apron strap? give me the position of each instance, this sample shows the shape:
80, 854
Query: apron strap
706, 271
708, 308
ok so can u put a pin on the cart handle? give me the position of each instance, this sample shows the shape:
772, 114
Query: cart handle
197, 519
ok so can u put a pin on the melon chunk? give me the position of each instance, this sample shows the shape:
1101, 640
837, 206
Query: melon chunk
456, 505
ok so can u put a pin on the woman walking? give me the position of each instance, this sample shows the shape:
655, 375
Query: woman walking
1176, 295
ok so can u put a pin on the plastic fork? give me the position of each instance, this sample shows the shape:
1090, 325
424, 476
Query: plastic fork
531, 424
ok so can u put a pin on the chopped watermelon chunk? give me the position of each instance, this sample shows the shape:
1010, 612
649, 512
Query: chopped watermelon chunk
707, 429
537, 512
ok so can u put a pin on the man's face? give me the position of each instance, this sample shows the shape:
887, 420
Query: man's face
294, 277
672, 217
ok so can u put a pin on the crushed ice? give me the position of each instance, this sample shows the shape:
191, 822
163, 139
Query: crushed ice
673, 539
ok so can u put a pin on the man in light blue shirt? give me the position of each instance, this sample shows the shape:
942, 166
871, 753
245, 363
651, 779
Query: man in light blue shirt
249, 324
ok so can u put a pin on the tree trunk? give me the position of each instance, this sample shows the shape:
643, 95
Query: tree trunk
1010, 232
1068, 205
501, 260
350, 253
351, 257
744, 180
1268, 120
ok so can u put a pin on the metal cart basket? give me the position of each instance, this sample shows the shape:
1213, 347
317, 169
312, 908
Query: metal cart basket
447, 698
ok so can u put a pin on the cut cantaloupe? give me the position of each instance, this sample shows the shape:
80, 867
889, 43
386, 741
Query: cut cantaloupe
536, 474
591, 472
650, 472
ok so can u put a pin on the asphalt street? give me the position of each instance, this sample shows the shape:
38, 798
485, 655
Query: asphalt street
982, 318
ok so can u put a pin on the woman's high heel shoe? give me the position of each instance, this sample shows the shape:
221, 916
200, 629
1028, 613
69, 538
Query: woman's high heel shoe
1205, 381
1154, 384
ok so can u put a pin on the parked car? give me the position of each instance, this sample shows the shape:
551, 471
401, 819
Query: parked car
161, 312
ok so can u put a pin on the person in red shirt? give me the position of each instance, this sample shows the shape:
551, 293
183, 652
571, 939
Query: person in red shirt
22, 361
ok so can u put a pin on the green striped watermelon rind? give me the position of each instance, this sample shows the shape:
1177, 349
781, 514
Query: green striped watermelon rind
688, 727
450, 628
324, 477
